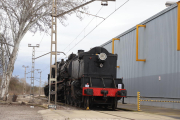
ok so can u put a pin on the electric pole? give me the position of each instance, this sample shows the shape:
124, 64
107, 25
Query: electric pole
40, 84
32, 71
53, 52
24, 87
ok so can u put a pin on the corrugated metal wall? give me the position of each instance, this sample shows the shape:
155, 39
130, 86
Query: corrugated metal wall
158, 45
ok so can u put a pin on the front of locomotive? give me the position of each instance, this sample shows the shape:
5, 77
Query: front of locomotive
98, 77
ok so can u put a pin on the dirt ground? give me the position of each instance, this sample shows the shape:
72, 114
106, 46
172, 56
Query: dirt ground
20, 112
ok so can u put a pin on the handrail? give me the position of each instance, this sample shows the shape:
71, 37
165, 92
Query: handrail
178, 26
137, 27
113, 44
113, 47
139, 100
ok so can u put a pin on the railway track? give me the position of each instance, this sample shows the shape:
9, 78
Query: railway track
95, 108
99, 109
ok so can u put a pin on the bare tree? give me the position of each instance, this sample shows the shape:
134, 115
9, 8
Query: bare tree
17, 17
4, 57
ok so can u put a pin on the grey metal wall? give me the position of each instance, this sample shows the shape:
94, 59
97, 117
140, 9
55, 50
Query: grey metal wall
158, 45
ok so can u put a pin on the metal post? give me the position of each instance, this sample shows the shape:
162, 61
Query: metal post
40, 84
53, 50
32, 71
24, 87
138, 101
25, 81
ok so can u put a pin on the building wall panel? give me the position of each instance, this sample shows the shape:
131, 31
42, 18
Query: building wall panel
158, 45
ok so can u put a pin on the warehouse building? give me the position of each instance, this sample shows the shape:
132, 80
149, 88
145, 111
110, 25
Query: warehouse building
149, 59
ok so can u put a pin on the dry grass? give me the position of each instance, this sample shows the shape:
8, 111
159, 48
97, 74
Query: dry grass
16, 86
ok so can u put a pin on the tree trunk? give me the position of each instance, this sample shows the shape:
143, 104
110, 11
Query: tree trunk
3, 86
3, 82
7, 75
3, 67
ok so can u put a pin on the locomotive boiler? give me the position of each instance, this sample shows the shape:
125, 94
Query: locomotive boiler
89, 78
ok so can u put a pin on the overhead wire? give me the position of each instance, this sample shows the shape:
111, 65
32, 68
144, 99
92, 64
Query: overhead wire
83, 29
39, 81
98, 25
42, 38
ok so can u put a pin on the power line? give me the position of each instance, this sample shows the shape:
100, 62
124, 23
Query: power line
91, 14
42, 38
83, 29
39, 81
98, 25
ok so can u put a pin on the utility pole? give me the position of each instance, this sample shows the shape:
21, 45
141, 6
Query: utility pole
32, 71
53, 52
40, 84
38, 70
24, 87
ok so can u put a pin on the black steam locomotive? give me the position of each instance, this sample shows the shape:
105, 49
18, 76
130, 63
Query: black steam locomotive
88, 79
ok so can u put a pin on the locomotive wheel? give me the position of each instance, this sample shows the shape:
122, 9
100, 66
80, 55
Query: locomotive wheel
71, 102
67, 99
79, 104
75, 104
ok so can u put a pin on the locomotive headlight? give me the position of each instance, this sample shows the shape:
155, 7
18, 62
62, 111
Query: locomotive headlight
102, 56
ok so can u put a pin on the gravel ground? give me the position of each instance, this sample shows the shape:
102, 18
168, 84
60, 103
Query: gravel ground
19, 112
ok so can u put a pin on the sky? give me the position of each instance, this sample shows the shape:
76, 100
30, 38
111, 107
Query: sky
128, 16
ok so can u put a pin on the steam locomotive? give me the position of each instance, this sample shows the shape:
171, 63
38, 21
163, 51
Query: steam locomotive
88, 79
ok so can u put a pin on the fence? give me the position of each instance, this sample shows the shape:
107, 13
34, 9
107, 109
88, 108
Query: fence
139, 101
